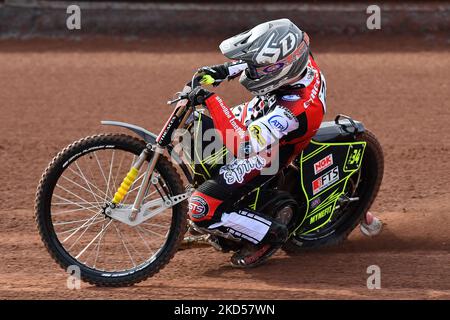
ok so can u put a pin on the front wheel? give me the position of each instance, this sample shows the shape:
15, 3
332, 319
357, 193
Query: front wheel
71, 218
365, 185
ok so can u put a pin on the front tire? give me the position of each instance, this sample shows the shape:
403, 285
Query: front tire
67, 190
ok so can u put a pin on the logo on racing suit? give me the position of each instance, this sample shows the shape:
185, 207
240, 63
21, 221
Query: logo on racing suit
314, 92
291, 97
324, 163
245, 148
277, 122
325, 180
236, 170
198, 207
315, 202
255, 132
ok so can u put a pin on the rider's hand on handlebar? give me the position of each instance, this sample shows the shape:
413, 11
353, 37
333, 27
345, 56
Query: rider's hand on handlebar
199, 95
219, 72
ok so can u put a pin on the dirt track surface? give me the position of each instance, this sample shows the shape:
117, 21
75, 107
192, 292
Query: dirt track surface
50, 97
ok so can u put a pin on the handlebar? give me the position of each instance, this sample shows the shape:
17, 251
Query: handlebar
197, 80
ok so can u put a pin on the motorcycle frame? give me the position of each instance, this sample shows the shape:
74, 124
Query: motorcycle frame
182, 111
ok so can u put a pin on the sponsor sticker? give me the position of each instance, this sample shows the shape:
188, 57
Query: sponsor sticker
236, 170
255, 132
324, 163
315, 202
245, 148
323, 213
278, 122
198, 207
325, 180
227, 112
290, 97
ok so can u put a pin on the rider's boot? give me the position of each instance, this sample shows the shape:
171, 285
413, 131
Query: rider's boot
371, 225
251, 255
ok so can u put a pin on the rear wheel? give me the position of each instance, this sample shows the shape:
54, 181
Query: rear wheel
363, 184
71, 218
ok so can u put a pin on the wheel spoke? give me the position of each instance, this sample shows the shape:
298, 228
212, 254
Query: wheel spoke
131, 245
154, 225
82, 234
99, 244
78, 228
134, 183
75, 203
84, 226
145, 241
124, 245
90, 184
74, 194
150, 231
109, 175
69, 222
150, 194
96, 245
116, 186
93, 240
73, 210
77, 184
103, 173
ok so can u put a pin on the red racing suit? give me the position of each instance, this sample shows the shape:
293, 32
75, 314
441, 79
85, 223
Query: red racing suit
278, 125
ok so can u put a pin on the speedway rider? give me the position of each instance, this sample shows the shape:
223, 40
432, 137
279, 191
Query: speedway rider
275, 64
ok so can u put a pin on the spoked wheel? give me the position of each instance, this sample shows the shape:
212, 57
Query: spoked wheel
71, 203
364, 186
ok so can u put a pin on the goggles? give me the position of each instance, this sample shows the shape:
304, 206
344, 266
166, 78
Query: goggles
258, 72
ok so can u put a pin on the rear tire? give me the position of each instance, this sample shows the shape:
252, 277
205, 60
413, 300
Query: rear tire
43, 212
372, 170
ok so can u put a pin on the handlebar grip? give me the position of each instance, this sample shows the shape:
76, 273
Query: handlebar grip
207, 79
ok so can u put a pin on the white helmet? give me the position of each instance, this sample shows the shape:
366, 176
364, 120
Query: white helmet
276, 53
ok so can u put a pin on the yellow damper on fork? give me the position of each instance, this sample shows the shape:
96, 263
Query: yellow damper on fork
125, 185
129, 179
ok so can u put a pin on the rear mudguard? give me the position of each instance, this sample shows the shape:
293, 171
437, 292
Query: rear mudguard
150, 137
326, 166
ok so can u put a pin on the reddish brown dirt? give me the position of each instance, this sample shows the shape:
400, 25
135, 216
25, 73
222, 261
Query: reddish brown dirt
50, 97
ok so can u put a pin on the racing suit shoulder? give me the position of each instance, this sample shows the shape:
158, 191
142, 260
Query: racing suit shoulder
310, 90
305, 99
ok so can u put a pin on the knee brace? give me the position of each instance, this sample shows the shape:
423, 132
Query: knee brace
205, 203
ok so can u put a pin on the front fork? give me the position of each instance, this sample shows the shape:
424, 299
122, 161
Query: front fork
176, 120
132, 175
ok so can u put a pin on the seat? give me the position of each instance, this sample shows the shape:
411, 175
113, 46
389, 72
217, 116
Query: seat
330, 130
